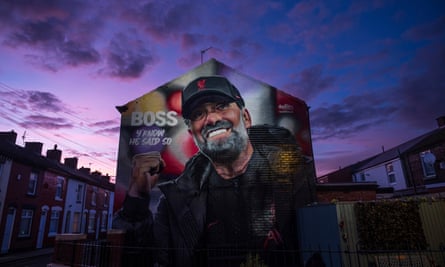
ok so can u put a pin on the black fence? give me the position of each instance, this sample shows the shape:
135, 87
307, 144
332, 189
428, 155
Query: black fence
107, 253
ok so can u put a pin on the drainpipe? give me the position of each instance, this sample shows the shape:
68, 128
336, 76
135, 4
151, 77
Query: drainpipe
407, 171
82, 212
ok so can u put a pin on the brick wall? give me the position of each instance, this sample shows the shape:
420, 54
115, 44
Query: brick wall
329, 192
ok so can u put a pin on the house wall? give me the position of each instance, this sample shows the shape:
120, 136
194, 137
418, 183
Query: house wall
5, 170
95, 208
18, 198
416, 165
43, 202
73, 207
379, 175
48, 198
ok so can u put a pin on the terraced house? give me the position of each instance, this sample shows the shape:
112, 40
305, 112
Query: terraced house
41, 197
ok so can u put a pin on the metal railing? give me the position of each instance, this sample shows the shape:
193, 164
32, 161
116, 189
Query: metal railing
104, 253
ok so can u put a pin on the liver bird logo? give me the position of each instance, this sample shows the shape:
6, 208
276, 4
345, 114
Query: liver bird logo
201, 84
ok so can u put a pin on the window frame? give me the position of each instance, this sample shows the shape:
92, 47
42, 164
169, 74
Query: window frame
428, 169
54, 221
94, 196
26, 217
91, 221
390, 173
59, 188
79, 196
32, 184
106, 199
77, 221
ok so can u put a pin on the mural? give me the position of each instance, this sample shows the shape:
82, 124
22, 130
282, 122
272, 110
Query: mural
153, 122
253, 210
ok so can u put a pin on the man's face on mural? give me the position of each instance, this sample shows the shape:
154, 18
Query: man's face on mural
220, 130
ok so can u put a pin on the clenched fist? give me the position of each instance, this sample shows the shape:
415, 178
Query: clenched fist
145, 173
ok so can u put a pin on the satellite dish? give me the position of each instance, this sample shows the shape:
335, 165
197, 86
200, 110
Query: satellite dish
429, 158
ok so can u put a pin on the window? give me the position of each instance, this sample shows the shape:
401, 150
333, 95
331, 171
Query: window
106, 199
428, 159
76, 222
54, 221
389, 168
32, 185
83, 224
391, 178
362, 177
94, 196
25, 223
79, 195
91, 221
59, 188
390, 173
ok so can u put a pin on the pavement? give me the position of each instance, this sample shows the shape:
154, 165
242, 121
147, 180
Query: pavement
12, 257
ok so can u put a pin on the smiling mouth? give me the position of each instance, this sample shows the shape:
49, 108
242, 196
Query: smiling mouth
216, 132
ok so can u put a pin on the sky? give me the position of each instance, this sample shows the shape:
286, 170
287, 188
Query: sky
371, 71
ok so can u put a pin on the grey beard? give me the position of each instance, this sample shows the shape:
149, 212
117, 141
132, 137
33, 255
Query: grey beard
226, 151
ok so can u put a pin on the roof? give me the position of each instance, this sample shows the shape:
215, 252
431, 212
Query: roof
17, 153
419, 143
405, 148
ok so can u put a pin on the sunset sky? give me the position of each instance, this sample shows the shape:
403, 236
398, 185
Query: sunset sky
372, 72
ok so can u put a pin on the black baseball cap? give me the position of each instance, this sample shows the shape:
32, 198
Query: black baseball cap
208, 89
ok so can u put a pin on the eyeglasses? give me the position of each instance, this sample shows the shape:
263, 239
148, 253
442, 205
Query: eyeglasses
202, 111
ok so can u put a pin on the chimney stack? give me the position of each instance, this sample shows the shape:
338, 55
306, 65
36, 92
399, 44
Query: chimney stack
35, 147
54, 154
71, 162
10, 137
85, 170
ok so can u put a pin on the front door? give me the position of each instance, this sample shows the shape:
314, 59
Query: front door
41, 232
9, 227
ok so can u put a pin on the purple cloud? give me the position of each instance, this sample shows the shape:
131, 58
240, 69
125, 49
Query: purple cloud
107, 127
353, 115
431, 30
43, 101
109, 131
127, 57
44, 122
311, 82
162, 20
105, 123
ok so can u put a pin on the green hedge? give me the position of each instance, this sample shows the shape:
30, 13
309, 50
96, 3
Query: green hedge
389, 225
